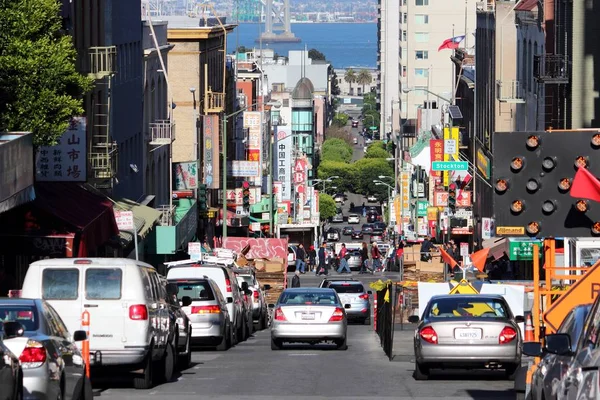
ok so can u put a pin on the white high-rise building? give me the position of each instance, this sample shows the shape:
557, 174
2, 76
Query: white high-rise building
388, 60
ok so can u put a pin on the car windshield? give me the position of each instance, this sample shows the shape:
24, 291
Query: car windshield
469, 307
197, 291
347, 287
245, 278
308, 297
24, 314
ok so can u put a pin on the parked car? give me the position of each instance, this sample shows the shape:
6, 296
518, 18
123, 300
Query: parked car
133, 334
309, 315
328, 281
356, 234
380, 225
182, 323
353, 219
347, 230
260, 314
339, 198
206, 307
545, 381
355, 261
353, 292
46, 350
333, 234
372, 198
11, 374
467, 331
355, 123
248, 306
338, 217
376, 235
367, 229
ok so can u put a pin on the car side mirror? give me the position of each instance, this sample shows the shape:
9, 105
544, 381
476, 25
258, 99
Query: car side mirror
230, 300
559, 344
271, 305
186, 301
266, 287
13, 329
172, 289
533, 349
413, 319
79, 336
519, 319
244, 286
369, 292
347, 305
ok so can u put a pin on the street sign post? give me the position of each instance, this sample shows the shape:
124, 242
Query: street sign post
449, 166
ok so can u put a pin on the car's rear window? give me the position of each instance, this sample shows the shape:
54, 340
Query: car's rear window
308, 297
197, 291
347, 287
60, 284
103, 283
470, 307
24, 314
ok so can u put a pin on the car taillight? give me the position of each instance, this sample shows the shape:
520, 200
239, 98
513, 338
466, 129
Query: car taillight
364, 296
255, 295
279, 315
138, 312
206, 309
338, 315
507, 335
33, 355
228, 285
429, 335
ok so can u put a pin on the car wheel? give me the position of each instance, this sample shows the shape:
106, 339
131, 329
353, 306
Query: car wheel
166, 365
511, 370
144, 380
421, 372
185, 360
367, 321
275, 344
223, 345
87, 392
261, 322
342, 344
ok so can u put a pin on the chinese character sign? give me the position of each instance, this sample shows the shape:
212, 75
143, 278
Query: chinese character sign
405, 185
211, 151
283, 169
277, 189
253, 122
67, 161
436, 147
185, 175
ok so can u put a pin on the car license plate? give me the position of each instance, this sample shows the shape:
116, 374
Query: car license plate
308, 316
467, 334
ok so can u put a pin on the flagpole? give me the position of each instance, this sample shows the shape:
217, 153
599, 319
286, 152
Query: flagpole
466, 36
453, 71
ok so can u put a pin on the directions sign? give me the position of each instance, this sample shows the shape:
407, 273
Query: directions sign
449, 166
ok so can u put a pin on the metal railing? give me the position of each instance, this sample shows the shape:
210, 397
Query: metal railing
162, 132
215, 102
510, 91
103, 61
551, 68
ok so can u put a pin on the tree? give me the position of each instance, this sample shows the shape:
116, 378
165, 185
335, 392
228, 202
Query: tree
350, 77
327, 207
376, 152
364, 78
40, 88
316, 55
337, 132
336, 150
368, 170
340, 119
335, 88
345, 171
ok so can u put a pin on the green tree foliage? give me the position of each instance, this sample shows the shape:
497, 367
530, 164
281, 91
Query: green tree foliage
350, 77
40, 89
340, 119
376, 152
364, 78
345, 171
316, 55
326, 206
336, 150
335, 88
368, 171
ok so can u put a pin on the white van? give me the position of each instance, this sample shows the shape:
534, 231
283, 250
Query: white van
227, 283
129, 317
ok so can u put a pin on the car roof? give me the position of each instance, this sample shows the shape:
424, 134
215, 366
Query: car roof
19, 301
309, 289
346, 281
467, 296
339, 279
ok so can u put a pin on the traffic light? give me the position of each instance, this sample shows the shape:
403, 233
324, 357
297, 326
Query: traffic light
202, 203
452, 197
532, 175
246, 194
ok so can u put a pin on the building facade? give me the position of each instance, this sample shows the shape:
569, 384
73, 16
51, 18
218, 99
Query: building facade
388, 61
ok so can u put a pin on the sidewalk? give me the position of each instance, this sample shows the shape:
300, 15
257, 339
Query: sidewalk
403, 348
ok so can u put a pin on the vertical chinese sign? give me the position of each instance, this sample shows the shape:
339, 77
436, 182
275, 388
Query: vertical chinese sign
450, 150
405, 184
66, 161
211, 151
186, 175
252, 122
300, 187
283, 172
436, 147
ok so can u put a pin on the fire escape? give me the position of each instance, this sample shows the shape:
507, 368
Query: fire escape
551, 71
102, 153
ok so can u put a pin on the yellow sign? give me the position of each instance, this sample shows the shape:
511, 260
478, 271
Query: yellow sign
432, 213
398, 210
463, 287
450, 134
510, 230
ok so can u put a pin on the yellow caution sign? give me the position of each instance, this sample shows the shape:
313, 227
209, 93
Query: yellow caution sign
463, 287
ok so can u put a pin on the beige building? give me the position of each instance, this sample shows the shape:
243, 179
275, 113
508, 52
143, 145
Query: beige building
424, 26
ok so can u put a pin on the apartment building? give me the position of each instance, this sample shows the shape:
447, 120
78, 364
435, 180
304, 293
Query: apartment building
388, 60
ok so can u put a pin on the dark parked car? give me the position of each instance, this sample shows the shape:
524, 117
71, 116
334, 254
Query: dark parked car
355, 123
372, 217
357, 234
347, 230
380, 225
367, 229
179, 318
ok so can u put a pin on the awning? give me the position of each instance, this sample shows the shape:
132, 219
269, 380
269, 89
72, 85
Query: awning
61, 208
144, 218
498, 246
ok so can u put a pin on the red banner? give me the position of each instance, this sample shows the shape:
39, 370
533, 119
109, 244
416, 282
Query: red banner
436, 147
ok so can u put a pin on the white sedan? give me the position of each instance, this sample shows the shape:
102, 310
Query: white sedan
353, 219
372, 199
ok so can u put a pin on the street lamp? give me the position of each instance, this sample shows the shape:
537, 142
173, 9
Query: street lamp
389, 187
409, 89
324, 181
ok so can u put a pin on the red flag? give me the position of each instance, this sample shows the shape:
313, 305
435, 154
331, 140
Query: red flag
447, 258
478, 258
585, 185
451, 43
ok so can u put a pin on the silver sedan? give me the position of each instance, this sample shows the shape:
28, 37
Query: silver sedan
309, 315
53, 367
467, 331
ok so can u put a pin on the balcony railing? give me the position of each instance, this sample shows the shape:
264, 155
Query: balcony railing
162, 132
103, 61
486, 6
214, 102
510, 91
551, 68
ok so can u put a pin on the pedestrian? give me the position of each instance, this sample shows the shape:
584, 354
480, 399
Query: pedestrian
300, 259
364, 258
296, 279
426, 248
321, 270
343, 261
376, 257
312, 256
364, 211
400, 255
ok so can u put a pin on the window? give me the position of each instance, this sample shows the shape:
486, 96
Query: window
347, 288
404, 54
60, 284
308, 297
474, 307
404, 36
421, 37
421, 2
197, 291
103, 283
404, 18
404, 71
23, 314
421, 72
421, 54
421, 19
